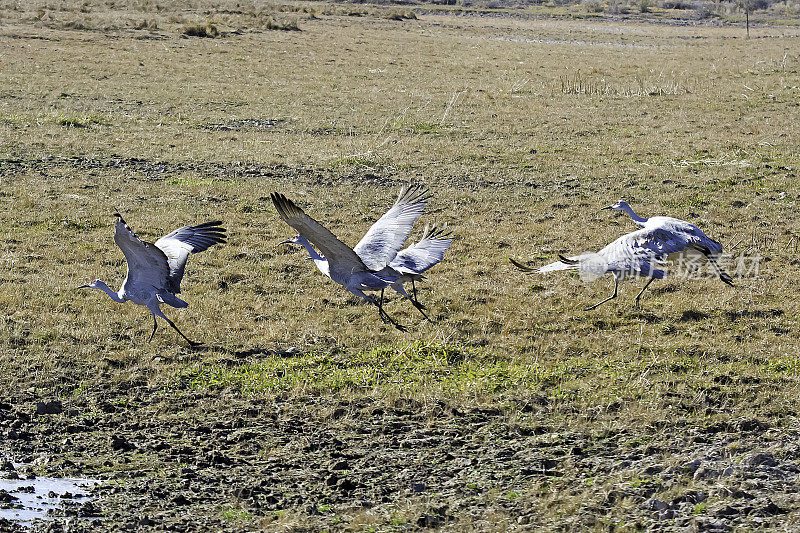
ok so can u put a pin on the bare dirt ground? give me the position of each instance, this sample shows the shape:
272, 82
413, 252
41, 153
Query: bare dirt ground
321, 464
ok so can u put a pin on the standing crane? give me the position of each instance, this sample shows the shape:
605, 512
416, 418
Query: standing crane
376, 262
155, 270
642, 253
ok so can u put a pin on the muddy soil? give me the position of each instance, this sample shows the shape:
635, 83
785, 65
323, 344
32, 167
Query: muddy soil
182, 460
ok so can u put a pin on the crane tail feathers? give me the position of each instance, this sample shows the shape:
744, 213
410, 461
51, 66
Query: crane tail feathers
522, 267
564, 264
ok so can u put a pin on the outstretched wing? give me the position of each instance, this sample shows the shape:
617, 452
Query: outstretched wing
335, 251
424, 254
644, 252
383, 241
147, 264
184, 241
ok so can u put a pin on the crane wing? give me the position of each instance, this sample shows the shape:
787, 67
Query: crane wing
184, 241
644, 251
424, 254
147, 264
335, 251
383, 241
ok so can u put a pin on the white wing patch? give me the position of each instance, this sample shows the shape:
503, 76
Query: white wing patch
382, 242
424, 254
177, 246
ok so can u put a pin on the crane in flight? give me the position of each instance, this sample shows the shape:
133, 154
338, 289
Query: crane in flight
155, 270
407, 266
376, 262
642, 253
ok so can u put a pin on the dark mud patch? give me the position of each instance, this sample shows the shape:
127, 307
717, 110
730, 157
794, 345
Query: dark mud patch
247, 124
156, 171
152, 170
184, 459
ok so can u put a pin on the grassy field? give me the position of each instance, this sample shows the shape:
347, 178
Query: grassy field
523, 128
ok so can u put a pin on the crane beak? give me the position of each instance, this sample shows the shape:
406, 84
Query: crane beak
287, 241
606, 207
83, 287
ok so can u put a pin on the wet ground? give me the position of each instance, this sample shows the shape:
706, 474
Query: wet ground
185, 460
31, 501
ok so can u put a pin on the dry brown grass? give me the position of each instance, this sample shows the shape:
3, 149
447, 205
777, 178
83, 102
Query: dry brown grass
493, 133
207, 29
698, 123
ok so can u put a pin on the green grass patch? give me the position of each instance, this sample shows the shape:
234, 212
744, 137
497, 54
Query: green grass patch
410, 368
193, 181
69, 120
424, 127
231, 512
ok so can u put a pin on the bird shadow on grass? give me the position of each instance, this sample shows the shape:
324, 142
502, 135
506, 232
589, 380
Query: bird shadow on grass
255, 351
262, 351
647, 316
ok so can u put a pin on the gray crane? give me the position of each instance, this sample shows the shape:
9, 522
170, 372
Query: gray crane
155, 270
376, 262
642, 253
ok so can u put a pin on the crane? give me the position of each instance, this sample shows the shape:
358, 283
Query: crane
155, 270
407, 266
376, 262
642, 253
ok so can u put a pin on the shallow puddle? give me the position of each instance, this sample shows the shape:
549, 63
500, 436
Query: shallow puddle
579, 43
43, 498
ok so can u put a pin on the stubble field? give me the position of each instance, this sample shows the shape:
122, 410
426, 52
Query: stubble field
302, 411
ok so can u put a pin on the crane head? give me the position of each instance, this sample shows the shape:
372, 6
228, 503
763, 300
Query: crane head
297, 239
621, 205
92, 285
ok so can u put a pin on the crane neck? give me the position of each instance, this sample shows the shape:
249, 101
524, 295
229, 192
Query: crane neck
108, 290
310, 249
636, 218
319, 260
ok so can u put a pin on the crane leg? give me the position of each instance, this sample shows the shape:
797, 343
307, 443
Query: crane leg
636, 302
385, 316
155, 327
414, 292
724, 276
399, 289
191, 343
616, 284
421, 308
153, 306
